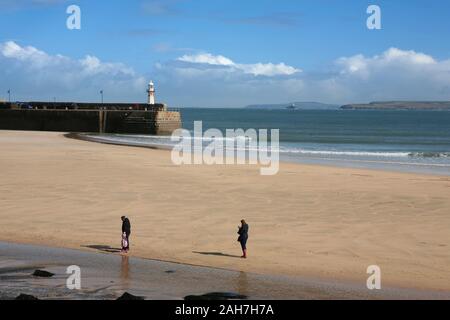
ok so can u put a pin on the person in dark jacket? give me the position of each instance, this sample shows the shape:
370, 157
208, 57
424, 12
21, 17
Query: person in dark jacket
126, 229
243, 237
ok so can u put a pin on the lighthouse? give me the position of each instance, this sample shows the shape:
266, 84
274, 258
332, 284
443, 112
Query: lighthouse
151, 93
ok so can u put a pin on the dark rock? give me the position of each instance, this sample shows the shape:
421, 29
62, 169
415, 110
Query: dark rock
217, 296
169, 271
43, 274
129, 296
26, 297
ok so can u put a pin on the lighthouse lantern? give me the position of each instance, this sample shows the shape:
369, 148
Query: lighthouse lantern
151, 93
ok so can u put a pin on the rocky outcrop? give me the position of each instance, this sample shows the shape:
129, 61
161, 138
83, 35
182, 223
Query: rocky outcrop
43, 274
217, 296
129, 296
26, 297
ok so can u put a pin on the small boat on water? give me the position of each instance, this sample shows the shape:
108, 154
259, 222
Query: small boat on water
291, 107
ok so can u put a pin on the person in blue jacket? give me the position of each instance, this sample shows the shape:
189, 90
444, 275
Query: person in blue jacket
243, 237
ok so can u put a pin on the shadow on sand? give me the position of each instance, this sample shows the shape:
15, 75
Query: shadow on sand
220, 254
103, 248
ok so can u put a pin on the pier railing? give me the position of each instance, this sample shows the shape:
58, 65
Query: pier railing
173, 109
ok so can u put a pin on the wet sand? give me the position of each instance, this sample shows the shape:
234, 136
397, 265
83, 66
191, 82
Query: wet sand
108, 276
308, 221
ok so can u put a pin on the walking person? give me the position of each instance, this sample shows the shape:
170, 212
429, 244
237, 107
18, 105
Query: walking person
126, 231
243, 237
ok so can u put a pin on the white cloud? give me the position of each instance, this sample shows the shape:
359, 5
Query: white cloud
391, 57
31, 55
257, 69
207, 58
268, 69
93, 66
409, 56
394, 74
35, 74
215, 80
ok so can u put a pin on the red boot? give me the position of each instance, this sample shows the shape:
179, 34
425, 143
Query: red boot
245, 254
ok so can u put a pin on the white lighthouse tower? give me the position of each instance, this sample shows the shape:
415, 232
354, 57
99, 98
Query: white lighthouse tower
151, 93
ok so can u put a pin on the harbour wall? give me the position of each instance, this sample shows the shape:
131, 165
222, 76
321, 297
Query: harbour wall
158, 122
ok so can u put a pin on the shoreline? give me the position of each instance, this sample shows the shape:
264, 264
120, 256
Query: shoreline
95, 183
155, 280
84, 137
356, 164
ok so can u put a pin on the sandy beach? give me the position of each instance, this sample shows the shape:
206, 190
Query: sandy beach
308, 220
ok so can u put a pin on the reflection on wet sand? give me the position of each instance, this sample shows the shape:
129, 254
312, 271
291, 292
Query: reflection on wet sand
124, 271
242, 284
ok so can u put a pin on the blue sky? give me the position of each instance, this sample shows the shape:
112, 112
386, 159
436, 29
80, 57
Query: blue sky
226, 53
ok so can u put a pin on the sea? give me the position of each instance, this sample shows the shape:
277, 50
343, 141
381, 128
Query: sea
407, 141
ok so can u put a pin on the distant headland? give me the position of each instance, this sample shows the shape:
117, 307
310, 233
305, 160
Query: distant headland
400, 105
377, 105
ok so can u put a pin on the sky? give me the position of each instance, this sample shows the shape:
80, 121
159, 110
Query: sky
204, 53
